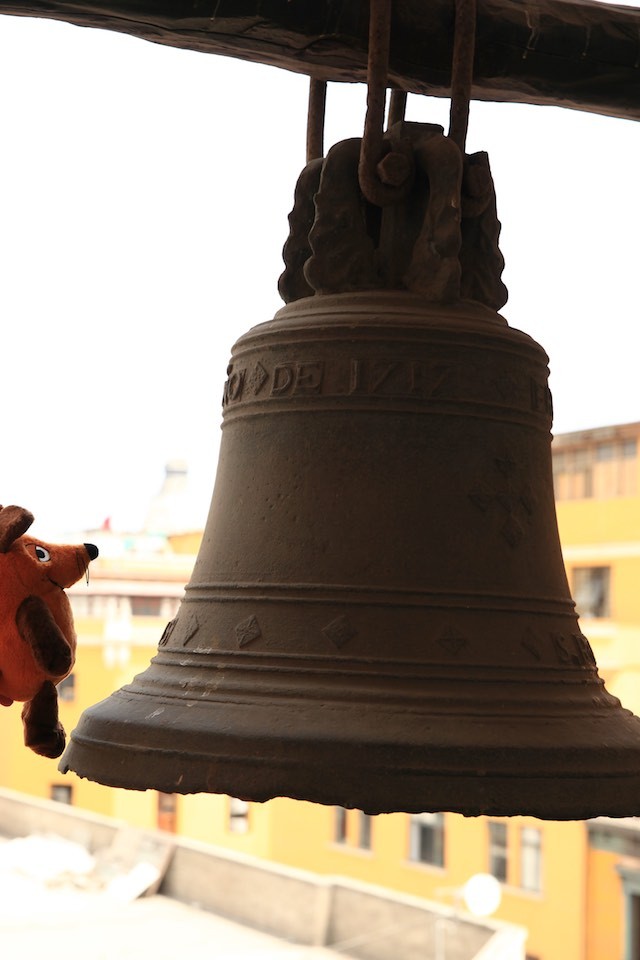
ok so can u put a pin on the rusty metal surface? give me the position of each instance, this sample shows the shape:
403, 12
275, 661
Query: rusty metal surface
464, 40
371, 152
315, 119
438, 239
379, 615
577, 54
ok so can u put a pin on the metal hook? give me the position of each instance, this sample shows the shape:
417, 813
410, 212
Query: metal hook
462, 70
382, 181
315, 119
397, 107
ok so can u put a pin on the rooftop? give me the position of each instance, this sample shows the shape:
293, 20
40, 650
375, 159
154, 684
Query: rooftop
85, 886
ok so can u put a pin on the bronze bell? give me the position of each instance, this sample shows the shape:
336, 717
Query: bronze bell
379, 615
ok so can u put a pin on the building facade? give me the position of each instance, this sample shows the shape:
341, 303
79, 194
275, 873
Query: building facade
598, 505
574, 886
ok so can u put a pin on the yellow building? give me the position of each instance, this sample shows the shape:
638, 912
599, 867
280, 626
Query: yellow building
598, 503
575, 886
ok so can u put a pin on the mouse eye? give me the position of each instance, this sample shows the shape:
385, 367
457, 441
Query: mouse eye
42, 554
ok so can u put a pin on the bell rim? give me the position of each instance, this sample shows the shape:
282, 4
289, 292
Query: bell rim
552, 797
581, 769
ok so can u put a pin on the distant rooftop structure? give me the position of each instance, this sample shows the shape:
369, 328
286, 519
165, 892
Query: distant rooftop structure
177, 507
600, 463
606, 434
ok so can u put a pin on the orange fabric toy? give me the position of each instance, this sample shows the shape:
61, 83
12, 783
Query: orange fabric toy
37, 636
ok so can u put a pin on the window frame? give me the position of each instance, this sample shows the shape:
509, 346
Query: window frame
365, 831
340, 826
427, 838
498, 850
238, 814
61, 793
531, 861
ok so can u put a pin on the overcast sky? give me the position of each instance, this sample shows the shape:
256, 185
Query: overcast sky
145, 194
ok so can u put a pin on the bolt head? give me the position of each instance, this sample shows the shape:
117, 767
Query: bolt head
394, 169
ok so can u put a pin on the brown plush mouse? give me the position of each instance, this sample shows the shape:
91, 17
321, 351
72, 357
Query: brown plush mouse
37, 636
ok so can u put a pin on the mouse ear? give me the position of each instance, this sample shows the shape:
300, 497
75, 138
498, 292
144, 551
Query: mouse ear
14, 521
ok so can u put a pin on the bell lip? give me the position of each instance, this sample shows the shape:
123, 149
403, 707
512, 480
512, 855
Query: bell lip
596, 774
548, 798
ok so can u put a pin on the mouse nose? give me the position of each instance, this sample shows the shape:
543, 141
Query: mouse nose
92, 550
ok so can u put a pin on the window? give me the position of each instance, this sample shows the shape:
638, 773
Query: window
605, 451
591, 591
498, 850
167, 812
146, 606
67, 688
426, 839
340, 825
238, 815
364, 835
531, 859
61, 793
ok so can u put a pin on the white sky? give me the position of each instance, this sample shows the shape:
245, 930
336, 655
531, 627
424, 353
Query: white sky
144, 194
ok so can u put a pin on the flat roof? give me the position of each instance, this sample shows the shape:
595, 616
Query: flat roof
62, 923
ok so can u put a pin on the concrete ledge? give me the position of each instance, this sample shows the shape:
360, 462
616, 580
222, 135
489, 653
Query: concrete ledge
296, 905
22, 815
270, 897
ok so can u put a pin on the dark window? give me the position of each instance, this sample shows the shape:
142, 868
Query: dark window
340, 825
426, 839
146, 606
605, 451
498, 850
592, 591
61, 793
167, 812
364, 837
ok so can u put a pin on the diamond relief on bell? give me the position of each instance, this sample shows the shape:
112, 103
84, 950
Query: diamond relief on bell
166, 633
452, 640
339, 631
531, 643
247, 631
181, 629
257, 378
509, 495
508, 387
